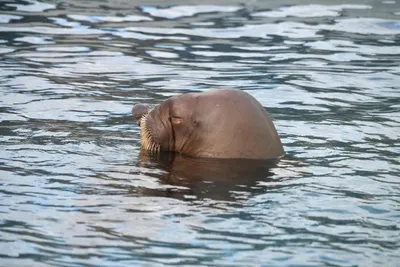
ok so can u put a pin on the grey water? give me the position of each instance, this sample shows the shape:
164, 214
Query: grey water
75, 189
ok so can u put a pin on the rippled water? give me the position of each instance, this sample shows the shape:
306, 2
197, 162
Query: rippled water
75, 190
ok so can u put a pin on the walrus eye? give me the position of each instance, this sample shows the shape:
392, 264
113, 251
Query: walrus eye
176, 120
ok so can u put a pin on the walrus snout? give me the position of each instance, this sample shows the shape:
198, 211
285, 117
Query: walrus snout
139, 110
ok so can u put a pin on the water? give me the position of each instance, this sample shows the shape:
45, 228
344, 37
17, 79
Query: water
75, 190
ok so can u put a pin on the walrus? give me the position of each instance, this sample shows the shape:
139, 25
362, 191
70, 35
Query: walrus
221, 123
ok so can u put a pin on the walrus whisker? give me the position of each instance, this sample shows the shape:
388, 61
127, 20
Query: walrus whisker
147, 137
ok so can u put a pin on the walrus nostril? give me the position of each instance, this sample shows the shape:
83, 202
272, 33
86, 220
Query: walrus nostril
138, 121
139, 110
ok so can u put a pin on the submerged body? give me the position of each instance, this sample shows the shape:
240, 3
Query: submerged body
224, 123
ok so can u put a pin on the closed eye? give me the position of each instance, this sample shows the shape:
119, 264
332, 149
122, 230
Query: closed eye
176, 120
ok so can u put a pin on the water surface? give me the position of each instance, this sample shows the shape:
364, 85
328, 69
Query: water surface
76, 191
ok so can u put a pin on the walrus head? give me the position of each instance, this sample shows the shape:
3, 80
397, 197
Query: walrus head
165, 127
222, 123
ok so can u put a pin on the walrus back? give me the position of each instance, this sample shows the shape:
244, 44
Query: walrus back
237, 126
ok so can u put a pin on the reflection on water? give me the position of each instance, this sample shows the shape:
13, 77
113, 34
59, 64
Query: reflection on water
75, 189
222, 179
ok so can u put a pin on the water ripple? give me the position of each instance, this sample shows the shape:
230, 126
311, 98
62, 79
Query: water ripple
76, 190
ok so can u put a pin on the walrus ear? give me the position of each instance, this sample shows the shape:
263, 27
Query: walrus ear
176, 120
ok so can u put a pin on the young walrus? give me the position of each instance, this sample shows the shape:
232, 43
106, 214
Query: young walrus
224, 123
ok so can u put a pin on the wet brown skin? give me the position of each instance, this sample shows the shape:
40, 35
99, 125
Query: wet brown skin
222, 123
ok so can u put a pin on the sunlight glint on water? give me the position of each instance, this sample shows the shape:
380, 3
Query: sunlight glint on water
75, 190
